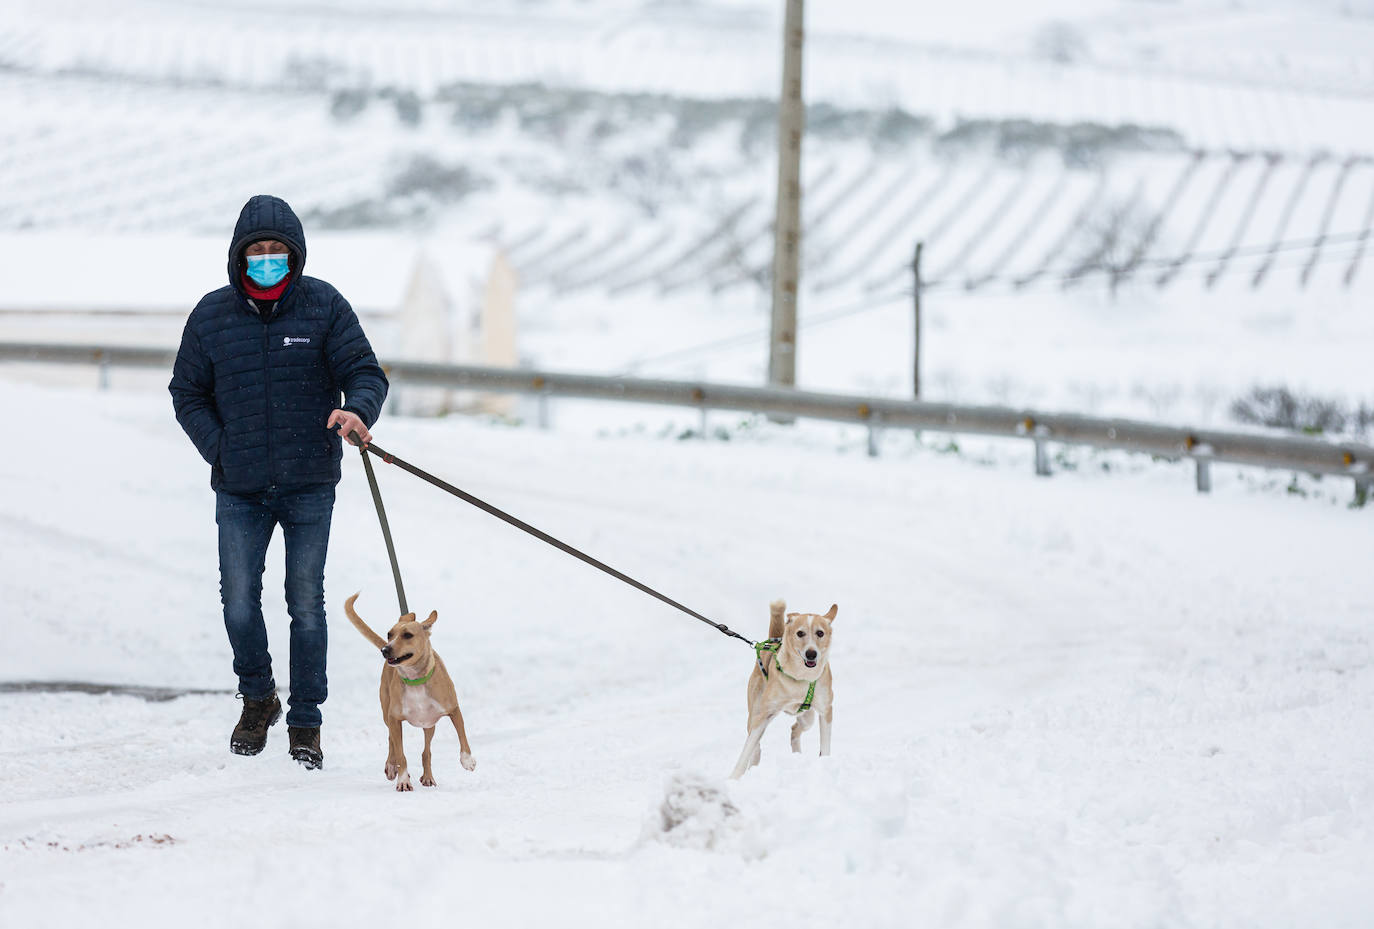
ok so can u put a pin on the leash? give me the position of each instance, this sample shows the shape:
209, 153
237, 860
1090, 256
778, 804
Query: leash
386, 527
365, 448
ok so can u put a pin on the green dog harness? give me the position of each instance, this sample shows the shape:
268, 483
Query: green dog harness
773, 645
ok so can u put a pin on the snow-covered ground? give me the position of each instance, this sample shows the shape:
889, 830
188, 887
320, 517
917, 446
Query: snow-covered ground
1093, 700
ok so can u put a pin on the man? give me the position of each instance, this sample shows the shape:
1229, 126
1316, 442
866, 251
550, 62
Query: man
256, 387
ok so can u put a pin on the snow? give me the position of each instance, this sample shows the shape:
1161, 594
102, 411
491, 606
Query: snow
1097, 699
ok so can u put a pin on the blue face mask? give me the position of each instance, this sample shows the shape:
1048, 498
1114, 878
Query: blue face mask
267, 270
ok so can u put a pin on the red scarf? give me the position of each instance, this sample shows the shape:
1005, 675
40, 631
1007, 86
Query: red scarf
270, 293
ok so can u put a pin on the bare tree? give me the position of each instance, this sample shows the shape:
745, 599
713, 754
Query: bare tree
1109, 244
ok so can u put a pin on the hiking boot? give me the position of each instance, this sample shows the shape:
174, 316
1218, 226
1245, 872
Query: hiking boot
250, 735
305, 746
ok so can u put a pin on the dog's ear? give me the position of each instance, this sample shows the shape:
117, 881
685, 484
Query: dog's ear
791, 616
407, 618
428, 624
830, 614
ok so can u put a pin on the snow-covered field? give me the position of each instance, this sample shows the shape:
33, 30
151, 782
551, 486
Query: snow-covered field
1093, 700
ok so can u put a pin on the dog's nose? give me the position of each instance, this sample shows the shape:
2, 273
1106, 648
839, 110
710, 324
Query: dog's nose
386, 651
810, 654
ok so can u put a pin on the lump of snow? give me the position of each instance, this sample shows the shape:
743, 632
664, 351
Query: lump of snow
697, 813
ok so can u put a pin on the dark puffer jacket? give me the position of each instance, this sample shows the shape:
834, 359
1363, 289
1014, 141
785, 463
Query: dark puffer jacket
255, 381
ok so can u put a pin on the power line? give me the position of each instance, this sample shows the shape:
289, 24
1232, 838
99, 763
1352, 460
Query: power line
1058, 278
850, 308
1056, 275
1050, 280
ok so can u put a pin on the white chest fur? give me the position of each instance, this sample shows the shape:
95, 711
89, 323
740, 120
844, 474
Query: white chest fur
420, 709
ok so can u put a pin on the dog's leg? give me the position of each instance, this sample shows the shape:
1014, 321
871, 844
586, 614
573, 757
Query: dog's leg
803, 723
464, 749
751, 747
826, 718
398, 755
426, 774
394, 756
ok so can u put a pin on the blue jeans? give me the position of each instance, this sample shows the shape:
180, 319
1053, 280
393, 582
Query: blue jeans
246, 523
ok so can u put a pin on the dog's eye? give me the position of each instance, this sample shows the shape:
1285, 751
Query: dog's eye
407, 635
820, 633
801, 633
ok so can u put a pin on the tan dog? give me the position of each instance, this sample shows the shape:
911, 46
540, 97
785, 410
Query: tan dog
799, 664
416, 689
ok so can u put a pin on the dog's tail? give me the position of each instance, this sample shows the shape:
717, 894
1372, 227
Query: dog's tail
361, 626
775, 611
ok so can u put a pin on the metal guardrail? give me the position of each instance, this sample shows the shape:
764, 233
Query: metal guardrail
1204, 446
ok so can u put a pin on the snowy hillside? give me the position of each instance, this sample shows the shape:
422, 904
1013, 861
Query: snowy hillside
1126, 208
1091, 700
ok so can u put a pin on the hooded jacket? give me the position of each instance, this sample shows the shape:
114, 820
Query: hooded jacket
254, 382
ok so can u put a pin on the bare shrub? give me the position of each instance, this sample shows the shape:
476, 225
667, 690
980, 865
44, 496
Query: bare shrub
1281, 408
446, 183
348, 103
1080, 144
409, 109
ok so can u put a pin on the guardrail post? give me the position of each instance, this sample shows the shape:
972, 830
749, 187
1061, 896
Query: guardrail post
1203, 456
704, 411
1362, 490
543, 413
1039, 435
102, 360
875, 431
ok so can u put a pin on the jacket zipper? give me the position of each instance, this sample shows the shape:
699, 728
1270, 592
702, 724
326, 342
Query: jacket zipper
267, 381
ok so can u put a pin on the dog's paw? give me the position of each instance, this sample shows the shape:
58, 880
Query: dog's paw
426, 780
469, 763
392, 770
404, 783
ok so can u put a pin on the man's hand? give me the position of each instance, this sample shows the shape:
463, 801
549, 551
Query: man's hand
348, 422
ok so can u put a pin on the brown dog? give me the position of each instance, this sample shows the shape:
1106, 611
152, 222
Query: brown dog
416, 689
793, 676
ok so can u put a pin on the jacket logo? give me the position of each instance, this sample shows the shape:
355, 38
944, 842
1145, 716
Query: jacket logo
295, 340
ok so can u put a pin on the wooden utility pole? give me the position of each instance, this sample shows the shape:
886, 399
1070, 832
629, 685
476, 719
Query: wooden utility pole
916, 301
782, 353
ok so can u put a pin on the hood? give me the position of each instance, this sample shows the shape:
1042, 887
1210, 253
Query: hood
266, 217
